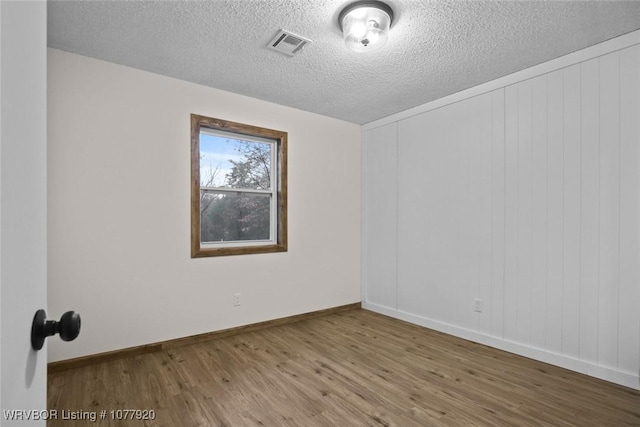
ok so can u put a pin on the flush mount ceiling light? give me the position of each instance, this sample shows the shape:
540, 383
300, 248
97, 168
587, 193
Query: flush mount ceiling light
365, 25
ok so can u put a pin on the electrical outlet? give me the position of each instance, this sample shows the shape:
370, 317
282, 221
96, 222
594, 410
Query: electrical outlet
477, 305
237, 299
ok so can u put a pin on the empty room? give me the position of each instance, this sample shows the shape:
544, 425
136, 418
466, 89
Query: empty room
305, 213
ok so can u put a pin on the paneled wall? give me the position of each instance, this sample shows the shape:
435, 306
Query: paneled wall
511, 216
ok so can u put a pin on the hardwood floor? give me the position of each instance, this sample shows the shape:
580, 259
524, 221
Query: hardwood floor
355, 368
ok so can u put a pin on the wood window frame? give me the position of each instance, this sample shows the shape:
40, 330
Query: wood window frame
280, 138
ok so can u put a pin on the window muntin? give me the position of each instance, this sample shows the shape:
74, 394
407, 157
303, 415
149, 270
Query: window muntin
238, 188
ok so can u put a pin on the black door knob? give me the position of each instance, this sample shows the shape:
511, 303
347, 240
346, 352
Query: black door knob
68, 327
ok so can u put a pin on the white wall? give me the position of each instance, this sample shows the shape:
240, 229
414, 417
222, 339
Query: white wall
119, 206
524, 193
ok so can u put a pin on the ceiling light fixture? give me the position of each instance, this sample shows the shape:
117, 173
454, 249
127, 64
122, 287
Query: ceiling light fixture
365, 25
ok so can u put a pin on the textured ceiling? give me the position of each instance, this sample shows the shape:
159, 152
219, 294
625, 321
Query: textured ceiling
435, 48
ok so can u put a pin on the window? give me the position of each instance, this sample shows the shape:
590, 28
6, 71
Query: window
238, 188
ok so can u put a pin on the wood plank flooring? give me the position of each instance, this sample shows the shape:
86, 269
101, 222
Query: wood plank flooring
355, 368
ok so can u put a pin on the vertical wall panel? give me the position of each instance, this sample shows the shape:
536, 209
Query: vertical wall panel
381, 215
571, 211
590, 211
609, 210
466, 271
445, 141
524, 218
498, 254
555, 210
476, 222
422, 188
511, 214
409, 198
539, 212
445, 219
446, 193
629, 292
484, 117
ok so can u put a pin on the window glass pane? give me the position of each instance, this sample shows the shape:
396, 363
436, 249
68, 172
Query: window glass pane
234, 163
234, 217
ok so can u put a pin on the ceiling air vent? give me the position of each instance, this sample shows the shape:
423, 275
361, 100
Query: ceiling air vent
289, 43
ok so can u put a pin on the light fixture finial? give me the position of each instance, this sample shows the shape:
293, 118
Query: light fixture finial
365, 25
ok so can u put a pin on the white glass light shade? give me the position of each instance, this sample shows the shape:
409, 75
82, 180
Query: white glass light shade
365, 25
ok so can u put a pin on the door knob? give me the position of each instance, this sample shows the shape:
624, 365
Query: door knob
68, 327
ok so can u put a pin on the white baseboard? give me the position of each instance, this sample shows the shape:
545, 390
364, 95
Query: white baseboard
581, 366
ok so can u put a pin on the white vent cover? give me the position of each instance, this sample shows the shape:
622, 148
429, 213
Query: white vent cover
289, 43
